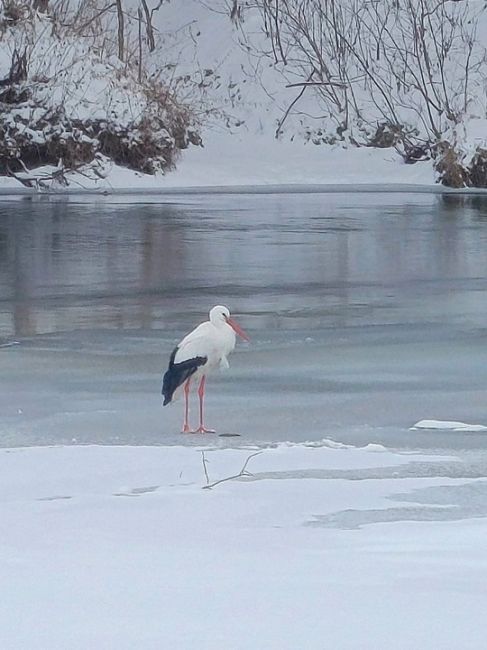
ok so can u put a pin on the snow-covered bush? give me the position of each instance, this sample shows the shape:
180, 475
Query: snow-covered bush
383, 73
67, 99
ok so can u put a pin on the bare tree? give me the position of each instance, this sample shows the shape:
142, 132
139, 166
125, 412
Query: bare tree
413, 65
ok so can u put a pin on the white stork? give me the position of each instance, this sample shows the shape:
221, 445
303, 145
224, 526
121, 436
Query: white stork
200, 352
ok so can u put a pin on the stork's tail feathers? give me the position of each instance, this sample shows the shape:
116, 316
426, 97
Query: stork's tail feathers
178, 373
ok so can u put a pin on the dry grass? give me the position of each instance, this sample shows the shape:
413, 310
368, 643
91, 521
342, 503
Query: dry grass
448, 164
478, 169
452, 170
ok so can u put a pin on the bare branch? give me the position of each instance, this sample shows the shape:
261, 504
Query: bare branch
415, 64
243, 472
337, 84
203, 458
148, 26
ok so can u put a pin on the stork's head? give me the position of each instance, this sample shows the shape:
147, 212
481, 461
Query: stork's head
220, 316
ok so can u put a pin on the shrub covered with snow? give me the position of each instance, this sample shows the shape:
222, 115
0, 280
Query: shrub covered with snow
68, 101
407, 75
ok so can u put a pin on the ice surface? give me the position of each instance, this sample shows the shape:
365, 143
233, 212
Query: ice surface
365, 311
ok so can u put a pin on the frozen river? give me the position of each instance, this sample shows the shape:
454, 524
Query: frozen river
367, 313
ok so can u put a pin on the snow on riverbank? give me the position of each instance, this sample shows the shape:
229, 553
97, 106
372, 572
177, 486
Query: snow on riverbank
240, 98
232, 161
266, 161
120, 547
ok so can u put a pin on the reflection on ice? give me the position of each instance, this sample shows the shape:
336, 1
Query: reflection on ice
304, 261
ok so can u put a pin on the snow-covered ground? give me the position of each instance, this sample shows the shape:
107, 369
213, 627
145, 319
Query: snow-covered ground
235, 161
265, 161
240, 98
121, 547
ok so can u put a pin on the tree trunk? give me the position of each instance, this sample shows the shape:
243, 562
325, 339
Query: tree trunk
121, 36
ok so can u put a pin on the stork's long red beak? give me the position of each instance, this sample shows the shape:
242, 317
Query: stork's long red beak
236, 328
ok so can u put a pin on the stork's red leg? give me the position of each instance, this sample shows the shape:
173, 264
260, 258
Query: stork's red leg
186, 428
201, 395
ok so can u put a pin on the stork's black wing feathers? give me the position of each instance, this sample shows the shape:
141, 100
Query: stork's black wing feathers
178, 373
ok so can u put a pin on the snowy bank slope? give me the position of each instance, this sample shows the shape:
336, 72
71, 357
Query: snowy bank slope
120, 547
233, 162
224, 71
244, 86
